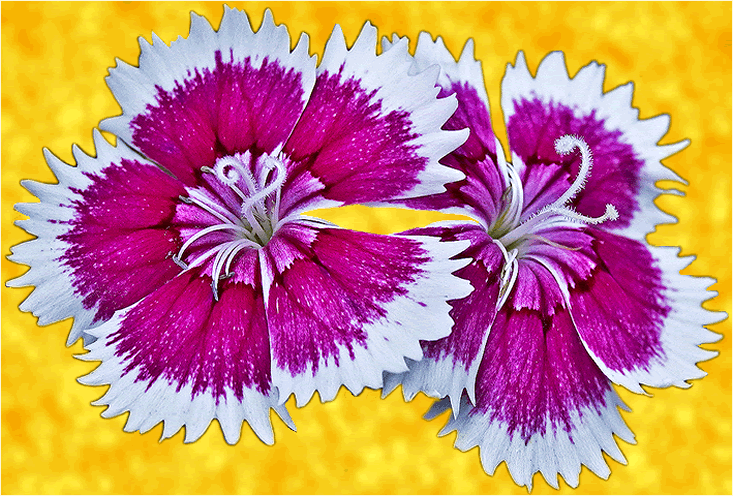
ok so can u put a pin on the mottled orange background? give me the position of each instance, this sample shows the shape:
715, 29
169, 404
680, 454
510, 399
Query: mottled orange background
55, 56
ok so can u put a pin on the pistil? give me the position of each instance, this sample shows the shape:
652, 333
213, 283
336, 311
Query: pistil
559, 213
252, 225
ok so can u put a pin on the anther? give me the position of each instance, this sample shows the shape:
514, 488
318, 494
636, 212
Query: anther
254, 182
179, 262
185, 199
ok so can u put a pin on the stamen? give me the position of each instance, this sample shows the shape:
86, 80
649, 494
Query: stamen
514, 197
218, 262
552, 243
253, 224
205, 256
207, 204
220, 256
225, 257
230, 259
179, 262
508, 275
544, 216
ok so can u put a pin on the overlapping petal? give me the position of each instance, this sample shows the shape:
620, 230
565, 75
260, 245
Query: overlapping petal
540, 403
371, 132
588, 308
342, 306
345, 306
181, 357
641, 320
481, 157
212, 94
357, 130
450, 364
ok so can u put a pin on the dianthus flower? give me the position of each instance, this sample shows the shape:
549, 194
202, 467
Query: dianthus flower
182, 254
568, 295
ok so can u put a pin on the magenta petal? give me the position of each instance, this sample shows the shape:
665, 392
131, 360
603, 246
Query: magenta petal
554, 260
182, 334
230, 108
345, 306
614, 179
639, 318
119, 245
357, 150
536, 289
540, 109
102, 238
214, 94
181, 357
542, 405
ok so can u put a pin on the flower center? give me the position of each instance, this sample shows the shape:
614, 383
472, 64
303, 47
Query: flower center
256, 185
511, 235
559, 213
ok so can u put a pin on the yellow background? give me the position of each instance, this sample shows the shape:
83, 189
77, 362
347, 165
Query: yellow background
55, 56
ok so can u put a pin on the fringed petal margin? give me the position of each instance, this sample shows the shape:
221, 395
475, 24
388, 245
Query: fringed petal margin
450, 365
541, 403
371, 132
101, 242
481, 157
215, 93
180, 357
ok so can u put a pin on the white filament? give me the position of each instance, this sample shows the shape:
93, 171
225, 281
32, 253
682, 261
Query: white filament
204, 232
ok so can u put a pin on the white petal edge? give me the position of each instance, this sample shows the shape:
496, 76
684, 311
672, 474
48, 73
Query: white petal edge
584, 94
54, 297
439, 378
550, 454
160, 402
389, 75
683, 330
163, 66
388, 343
429, 52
